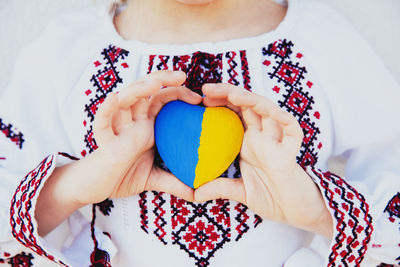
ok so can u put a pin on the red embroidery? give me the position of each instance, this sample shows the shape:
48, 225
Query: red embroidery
242, 218
393, 208
143, 212
353, 228
159, 212
290, 76
12, 134
21, 219
233, 75
245, 70
267, 62
201, 229
104, 81
21, 260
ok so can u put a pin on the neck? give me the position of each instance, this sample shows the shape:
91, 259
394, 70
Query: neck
170, 21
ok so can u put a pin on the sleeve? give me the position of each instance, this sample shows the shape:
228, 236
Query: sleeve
363, 99
33, 142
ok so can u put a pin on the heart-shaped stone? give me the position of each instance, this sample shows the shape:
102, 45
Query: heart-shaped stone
197, 143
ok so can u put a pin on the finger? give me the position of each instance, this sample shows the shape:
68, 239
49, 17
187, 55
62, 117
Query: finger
287, 120
226, 188
137, 90
163, 181
166, 77
215, 102
102, 127
120, 119
169, 94
148, 85
251, 119
240, 97
222, 91
272, 129
140, 109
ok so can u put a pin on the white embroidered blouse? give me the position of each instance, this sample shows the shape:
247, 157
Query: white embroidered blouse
313, 64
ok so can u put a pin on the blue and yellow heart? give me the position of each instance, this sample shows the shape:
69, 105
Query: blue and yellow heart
197, 143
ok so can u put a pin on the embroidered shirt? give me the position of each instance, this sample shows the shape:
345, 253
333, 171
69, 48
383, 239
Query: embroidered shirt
313, 65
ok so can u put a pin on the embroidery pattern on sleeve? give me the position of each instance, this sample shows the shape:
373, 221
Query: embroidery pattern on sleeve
12, 134
21, 219
353, 221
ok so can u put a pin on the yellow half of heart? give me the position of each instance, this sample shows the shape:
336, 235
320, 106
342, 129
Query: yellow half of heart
220, 142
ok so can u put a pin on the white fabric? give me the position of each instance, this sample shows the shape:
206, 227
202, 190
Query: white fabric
352, 90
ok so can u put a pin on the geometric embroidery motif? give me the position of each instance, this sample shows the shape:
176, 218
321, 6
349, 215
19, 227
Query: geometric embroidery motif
290, 75
21, 260
104, 82
21, 217
202, 68
241, 218
195, 232
393, 208
15, 137
144, 219
231, 70
353, 223
159, 212
245, 70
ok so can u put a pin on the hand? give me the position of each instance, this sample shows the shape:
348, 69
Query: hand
124, 130
273, 185
122, 166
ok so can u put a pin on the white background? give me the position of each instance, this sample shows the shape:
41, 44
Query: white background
21, 21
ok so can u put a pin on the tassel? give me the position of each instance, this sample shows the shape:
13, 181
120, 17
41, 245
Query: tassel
100, 258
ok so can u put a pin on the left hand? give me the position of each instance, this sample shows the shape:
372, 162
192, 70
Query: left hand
273, 185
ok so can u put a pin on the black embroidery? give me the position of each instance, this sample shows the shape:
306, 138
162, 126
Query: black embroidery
393, 208
21, 260
104, 82
11, 133
105, 206
296, 99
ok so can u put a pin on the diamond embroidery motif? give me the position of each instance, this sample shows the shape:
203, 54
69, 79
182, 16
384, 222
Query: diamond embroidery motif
201, 235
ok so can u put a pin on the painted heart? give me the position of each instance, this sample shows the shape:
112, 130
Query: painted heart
197, 143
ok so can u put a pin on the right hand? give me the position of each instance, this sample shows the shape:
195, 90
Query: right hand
124, 131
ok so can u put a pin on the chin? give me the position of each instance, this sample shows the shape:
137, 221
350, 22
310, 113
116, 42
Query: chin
194, 2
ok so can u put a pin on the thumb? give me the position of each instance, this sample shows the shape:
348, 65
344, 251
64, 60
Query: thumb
162, 181
226, 188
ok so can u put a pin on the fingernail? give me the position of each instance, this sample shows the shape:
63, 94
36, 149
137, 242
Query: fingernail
213, 86
194, 94
178, 73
